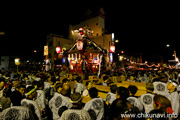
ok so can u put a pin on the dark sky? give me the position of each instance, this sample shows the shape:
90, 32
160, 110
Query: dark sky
140, 29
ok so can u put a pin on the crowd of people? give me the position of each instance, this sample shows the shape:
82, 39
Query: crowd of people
43, 95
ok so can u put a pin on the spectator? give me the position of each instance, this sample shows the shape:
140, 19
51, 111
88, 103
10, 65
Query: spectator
162, 103
40, 98
160, 88
147, 99
143, 77
18, 95
5, 101
163, 78
61, 110
79, 87
49, 91
122, 93
29, 101
15, 82
95, 107
76, 111
58, 87
135, 102
17, 113
88, 86
111, 96
104, 80
65, 81
2, 87
118, 108
59, 100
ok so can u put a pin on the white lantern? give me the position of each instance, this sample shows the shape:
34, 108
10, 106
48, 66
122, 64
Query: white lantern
79, 45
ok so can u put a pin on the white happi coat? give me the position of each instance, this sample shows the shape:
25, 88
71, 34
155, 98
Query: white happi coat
143, 79
79, 87
161, 88
174, 98
17, 113
147, 101
95, 108
25, 102
40, 99
135, 102
57, 102
72, 114
110, 97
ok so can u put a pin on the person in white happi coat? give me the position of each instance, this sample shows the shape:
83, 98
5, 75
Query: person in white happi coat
79, 87
147, 99
76, 112
143, 78
59, 100
40, 99
111, 96
134, 100
173, 96
95, 107
17, 113
29, 100
160, 88
88, 86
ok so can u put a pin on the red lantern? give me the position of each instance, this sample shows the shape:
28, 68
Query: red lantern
112, 48
73, 63
58, 50
81, 31
79, 45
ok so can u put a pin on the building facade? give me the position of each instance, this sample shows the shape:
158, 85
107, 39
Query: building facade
97, 25
54, 41
4, 62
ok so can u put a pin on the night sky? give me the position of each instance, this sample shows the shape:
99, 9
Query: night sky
139, 29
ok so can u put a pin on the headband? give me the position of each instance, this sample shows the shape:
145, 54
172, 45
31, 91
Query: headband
76, 100
158, 103
31, 90
168, 109
175, 84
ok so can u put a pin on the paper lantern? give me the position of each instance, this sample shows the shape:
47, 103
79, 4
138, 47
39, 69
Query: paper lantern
81, 30
112, 48
58, 50
79, 45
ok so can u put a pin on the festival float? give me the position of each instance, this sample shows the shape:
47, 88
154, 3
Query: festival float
85, 55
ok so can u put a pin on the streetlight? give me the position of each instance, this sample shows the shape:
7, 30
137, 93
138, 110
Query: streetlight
167, 45
17, 62
116, 41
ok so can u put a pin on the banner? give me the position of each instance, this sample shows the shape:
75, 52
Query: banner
45, 50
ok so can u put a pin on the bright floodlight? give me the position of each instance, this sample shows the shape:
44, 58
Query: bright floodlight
167, 45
